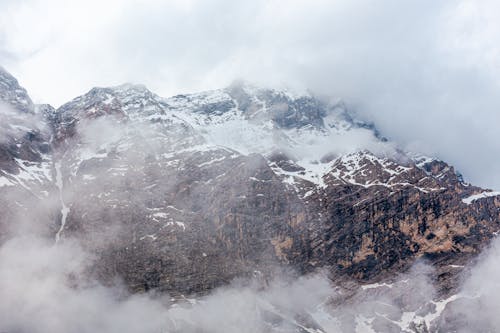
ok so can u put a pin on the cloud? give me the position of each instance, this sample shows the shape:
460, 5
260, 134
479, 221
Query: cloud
477, 310
426, 72
44, 289
40, 287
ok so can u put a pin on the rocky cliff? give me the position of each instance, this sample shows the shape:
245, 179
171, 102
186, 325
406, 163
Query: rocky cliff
184, 194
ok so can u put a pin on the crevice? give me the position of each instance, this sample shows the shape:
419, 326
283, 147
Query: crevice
64, 208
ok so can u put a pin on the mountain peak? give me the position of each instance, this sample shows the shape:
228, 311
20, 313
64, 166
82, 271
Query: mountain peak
119, 91
183, 194
126, 99
131, 86
13, 94
252, 89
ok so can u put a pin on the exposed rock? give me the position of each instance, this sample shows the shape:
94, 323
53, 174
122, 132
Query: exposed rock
187, 193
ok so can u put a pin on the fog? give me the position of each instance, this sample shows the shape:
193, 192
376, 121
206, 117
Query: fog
14, 125
426, 73
47, 286
477, 310
44, 289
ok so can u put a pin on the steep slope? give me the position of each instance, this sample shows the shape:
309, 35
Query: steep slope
184, 194
259, 176
151, 182
25, 159
377, 214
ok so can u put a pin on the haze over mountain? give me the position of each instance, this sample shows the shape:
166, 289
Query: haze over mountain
426, 72
127, 211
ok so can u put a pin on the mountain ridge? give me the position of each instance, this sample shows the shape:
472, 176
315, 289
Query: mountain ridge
184, 194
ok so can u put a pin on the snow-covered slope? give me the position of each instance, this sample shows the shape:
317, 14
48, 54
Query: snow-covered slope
302, 134
13, 95
184, 194
26, 178
265, 121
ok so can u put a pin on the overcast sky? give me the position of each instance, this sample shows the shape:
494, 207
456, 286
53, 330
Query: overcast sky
427, 72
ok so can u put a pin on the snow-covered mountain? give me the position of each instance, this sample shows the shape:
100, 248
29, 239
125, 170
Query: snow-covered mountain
184, 194
25, 158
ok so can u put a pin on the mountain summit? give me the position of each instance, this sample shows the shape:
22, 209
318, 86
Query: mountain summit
184, 194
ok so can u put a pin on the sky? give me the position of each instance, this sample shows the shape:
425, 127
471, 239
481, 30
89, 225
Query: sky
426, 72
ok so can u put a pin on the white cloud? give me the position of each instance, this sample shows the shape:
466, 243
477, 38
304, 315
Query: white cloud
427, 72
44, 290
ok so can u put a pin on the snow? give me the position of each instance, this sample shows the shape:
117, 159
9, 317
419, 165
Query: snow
254, 131
176, 224
5, 182
376, 285
30, 175
322, 316
212, 161
258, 133
152, 237
259, 180
88, 154
160, 215
363, 324
175, 208
313, 173
340, 149
64, 210
440, 306
21, 128
479, 196
422, 160
31, 171
109, 99
411, 317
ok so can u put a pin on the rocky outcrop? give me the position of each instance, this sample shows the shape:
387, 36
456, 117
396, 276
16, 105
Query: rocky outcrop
187, 193
380, 216
26, 186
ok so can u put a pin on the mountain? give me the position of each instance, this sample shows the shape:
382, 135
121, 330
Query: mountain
185, 194
26, 179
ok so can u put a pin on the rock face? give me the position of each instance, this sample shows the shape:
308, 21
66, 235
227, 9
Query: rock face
13, 94
26, 184
186, 193
375, 214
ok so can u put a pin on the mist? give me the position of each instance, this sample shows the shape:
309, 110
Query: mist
14, 125
44, 290
48, 285
476, 310
426, 72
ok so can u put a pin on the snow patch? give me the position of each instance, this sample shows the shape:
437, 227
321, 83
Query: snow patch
376, 285
479, 196
64, 210
5, 182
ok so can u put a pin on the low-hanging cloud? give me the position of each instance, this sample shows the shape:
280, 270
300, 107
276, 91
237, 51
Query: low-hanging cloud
426, 72
476, 310
14, 125
46, 286
44, 290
